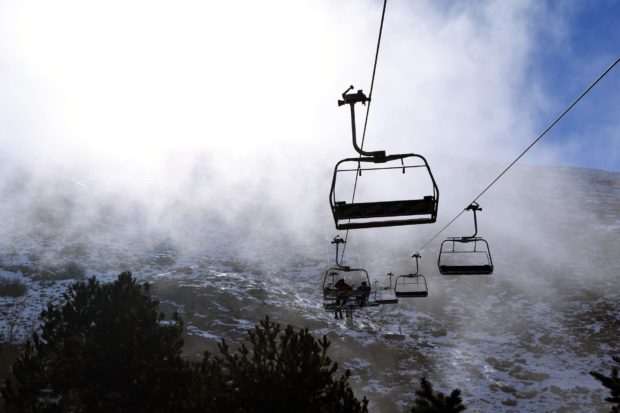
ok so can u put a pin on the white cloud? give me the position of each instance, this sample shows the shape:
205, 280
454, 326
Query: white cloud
244, 93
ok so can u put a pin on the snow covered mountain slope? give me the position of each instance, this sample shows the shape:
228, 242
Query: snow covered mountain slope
520, 340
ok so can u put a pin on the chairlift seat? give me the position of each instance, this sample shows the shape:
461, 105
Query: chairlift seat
411, 285
412, 294
386, 209
332, 306
387, 301
425, 206
465, 269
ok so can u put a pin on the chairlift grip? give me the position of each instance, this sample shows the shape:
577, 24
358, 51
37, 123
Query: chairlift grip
475, 224
338, 240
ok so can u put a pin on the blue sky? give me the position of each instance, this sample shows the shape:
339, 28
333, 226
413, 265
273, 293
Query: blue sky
589, 41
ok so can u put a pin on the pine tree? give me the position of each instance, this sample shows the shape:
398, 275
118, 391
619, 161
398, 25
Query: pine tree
280, 371
104, 349
612, 383
429, 401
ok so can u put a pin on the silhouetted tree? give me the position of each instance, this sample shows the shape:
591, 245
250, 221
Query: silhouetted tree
612, 383
281, 371
429, 401
105, 348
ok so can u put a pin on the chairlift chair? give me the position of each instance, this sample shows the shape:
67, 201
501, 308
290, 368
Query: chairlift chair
466, 255
415, 209
384, 294
411, 285
354, 278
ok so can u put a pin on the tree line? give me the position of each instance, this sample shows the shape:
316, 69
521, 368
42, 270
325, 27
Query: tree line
107, 348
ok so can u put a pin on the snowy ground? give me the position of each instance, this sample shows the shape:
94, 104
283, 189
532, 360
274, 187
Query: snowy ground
520, 340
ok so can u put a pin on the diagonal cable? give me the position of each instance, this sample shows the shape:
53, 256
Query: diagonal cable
372, 85
585, 92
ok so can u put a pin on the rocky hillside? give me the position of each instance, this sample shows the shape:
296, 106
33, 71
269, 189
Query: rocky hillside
522, 339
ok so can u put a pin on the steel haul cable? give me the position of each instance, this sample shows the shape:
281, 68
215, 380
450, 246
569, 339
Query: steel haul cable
372, 84
585, 92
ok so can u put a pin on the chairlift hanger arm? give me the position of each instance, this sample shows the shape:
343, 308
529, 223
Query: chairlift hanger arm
338, 240
474, 207
351, 99
417, 256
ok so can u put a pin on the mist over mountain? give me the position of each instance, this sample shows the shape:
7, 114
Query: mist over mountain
194, 144
521, 339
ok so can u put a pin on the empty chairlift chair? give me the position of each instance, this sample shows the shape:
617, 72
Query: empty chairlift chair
411, 285
384, 294
466, 255
416, 204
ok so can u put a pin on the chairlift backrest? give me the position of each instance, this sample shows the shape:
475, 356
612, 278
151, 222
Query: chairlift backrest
356, 283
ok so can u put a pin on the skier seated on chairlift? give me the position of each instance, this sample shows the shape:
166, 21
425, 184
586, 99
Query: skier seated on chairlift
364, 292
342, 291
342, 296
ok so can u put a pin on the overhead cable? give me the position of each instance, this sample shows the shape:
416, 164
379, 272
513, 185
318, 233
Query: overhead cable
585, 92
372, 85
